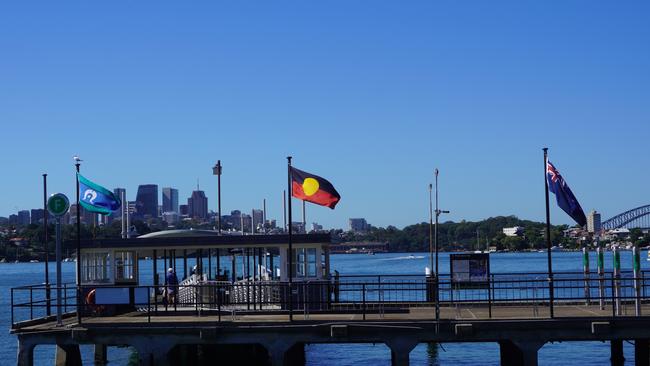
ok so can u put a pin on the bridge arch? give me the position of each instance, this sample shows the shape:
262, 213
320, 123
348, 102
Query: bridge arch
625, 218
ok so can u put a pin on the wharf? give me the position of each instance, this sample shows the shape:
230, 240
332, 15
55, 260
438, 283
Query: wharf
520, 331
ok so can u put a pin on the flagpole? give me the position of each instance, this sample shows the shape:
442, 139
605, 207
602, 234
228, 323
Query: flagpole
435, 233
78, 165
304, 218
548, 237
45, 246
290, 272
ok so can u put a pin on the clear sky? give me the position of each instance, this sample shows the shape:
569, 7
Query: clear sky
372, 95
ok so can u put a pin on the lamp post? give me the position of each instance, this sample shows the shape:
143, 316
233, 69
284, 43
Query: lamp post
437, 212
77, 164
216, 170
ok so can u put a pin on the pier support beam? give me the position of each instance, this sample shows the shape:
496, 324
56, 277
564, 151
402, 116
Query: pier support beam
68, 355
153, 352
642, 352
400, 350
286, 353
25, 355
616, 346
519, 353
101, 355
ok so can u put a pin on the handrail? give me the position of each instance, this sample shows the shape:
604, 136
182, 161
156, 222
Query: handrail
362, 293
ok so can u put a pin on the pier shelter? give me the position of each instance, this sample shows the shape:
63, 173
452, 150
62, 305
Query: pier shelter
243, 269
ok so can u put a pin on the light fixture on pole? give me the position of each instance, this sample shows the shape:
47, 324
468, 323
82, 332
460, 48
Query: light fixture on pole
216, 170
437, 214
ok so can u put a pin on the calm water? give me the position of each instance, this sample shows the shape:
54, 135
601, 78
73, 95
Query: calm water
591, 353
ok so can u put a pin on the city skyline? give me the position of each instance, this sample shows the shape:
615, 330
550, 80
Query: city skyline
373, 105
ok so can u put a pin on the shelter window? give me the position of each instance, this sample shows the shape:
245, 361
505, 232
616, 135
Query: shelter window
305, 262
95, 267
125, 266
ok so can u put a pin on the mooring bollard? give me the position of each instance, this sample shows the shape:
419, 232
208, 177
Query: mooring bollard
585, 267
617, 279
636, 259
601, 276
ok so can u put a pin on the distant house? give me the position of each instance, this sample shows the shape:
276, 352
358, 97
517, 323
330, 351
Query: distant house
18, 242
513, 231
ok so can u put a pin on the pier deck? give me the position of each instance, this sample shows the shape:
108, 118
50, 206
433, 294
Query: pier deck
417, 314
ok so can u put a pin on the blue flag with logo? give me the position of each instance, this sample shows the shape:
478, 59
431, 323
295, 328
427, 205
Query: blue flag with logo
96, 198
565, 198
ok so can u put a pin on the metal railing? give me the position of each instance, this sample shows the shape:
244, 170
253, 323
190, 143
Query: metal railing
378, 295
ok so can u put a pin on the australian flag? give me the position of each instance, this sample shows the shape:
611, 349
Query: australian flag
565, 198
96, 198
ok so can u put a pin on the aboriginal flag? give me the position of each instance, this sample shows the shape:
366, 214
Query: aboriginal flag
314, 189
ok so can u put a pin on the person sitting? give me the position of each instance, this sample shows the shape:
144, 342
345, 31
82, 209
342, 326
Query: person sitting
172, 286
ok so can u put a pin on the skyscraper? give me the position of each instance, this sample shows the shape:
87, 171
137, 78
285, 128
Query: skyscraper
37, 215
593, 222
23, 217
258, 219
197, 205
147, 201
117, 215
169, 199
358, 225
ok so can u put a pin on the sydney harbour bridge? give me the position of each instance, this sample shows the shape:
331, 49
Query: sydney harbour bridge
635, 218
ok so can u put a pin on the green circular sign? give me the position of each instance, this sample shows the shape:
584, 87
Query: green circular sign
58, 204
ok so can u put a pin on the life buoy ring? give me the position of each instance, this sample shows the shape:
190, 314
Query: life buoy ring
90, 297
90, 301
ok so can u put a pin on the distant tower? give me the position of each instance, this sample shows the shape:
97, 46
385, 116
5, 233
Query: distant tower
147, 201
169, 199
593, 222
197, 205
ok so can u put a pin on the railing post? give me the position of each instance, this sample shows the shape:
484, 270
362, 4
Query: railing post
585, 266
12, 307
601, 277
490, 296
613, 296
363, 289
149, 303
219, 294
31, 303
617, 279
48, 301
636, 258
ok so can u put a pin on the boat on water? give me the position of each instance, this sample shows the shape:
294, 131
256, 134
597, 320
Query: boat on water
34, 261
648, 255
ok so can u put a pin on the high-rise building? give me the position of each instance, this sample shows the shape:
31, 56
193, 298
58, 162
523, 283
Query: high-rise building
184, 210
258, 219
169, 199
117, 215
358, 225
170, 218
197, 205
23, 217
593, 222
316, 227
37, 215
87, 217
147, 201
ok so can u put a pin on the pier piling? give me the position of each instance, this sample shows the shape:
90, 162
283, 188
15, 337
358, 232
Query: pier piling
617, 358
519, 353
68, 355
642, 352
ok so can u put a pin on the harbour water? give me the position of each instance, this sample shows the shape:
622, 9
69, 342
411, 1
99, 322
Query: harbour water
579, 353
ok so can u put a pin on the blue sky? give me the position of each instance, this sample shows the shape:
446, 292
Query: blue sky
371, 95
